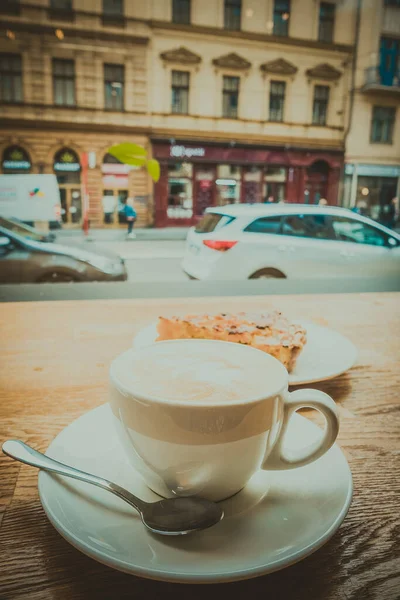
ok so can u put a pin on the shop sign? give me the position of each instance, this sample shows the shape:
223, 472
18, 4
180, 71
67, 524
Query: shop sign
373, 170
205, 184
16, 158
115, 169
184, 152
115, 181
66, 160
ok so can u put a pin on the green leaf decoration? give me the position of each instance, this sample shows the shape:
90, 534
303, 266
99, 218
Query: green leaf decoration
135, 155
126, 152
135, 161
153, 168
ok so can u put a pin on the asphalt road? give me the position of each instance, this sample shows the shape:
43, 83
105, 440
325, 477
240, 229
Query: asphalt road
155, 269
151, 260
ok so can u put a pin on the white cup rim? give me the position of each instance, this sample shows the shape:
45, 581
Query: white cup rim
128, 390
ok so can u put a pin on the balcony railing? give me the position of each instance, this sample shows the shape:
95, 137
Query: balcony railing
373, 81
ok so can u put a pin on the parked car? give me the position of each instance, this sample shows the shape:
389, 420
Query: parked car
251, 241
26, 261
26, 231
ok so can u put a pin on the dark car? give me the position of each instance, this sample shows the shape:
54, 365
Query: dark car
26, 261
26, 231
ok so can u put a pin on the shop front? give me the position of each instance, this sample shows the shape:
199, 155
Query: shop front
372, 189
115, 180
195, 176
67, 169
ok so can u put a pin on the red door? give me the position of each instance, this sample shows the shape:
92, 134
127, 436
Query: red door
317, 187
204, 189
316, 182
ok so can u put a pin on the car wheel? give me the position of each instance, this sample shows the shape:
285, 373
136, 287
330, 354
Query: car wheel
268, 274
57, 278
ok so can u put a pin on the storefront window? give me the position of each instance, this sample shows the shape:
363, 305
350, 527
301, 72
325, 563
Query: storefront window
274, 185
228, 184
180, 191
115, 189
374, 195
67, 168
252, 174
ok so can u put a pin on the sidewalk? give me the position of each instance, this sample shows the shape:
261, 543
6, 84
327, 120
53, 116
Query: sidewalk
165, 243
119, 235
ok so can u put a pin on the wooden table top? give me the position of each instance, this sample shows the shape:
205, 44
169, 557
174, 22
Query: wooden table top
54, 368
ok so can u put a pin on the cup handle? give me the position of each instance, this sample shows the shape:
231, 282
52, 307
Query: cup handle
278, 459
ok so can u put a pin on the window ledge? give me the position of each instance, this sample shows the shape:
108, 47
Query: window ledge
72, 106
113, 21
99, 290
58, 14
12, 102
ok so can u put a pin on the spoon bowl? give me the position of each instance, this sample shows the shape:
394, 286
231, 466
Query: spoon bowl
181, 515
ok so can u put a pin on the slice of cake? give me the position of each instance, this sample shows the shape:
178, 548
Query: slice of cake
270, 332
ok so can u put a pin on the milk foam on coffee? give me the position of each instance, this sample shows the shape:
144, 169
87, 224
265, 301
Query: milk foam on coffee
197, 372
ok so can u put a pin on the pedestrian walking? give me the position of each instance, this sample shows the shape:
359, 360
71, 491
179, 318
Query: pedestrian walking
130, 215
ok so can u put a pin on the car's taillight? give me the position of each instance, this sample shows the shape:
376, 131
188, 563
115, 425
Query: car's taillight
221, 246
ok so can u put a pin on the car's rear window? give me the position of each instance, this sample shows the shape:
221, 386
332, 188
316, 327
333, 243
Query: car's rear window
212, 221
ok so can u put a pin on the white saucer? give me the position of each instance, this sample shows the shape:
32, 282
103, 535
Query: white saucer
277, 520
327, 353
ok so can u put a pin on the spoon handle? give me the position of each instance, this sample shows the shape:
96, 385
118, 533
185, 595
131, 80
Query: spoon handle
24, 453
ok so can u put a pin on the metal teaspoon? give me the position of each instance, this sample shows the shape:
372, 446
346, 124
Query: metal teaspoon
170, 516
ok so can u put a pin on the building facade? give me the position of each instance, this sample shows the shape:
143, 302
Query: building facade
249, 101
73, 81
372, 169
240, 101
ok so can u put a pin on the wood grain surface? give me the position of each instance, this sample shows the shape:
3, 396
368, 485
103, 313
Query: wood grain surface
54, 368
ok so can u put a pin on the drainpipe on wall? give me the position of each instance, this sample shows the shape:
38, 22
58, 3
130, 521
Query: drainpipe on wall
351, 107
353, 189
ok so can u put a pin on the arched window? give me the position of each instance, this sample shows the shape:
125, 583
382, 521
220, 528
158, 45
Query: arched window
109, 159
16, 160
320, 167
67, 166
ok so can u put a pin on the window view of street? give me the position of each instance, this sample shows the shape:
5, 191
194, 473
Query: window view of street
200, 299
129, 129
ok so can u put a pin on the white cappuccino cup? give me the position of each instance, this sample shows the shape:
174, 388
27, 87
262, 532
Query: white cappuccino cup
200, 417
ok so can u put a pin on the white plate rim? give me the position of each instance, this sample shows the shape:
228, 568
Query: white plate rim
195, 578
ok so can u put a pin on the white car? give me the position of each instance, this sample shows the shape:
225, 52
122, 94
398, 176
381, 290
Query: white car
251, 241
